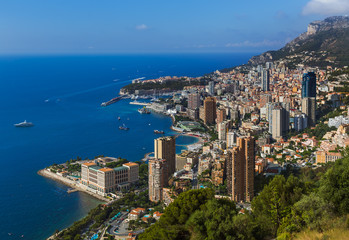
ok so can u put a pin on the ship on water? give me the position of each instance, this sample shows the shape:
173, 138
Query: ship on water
143, 110
123, 127
24, 124
158, 132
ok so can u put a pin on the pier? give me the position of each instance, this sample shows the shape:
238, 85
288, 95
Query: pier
140, 103
71, 190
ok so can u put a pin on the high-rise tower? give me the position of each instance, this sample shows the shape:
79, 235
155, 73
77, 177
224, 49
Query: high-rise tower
265, 80
194, 101
240, 172
165, 148
309, 108
210, 110
157, 179
309, 85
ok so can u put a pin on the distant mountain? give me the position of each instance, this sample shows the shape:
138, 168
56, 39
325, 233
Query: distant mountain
325, 43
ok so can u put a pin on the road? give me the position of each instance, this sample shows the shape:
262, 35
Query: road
119, 225
195, 177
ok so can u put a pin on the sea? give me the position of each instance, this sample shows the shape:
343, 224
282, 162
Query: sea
62, 95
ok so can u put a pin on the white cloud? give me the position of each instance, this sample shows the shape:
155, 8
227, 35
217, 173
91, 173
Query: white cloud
326, 7
141, 27
265, 43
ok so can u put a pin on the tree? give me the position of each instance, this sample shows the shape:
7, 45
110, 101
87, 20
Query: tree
216, 220
171, 224
275, 201
334, 186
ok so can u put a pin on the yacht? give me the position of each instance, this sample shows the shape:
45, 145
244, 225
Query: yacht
159, 132
24, 124
123, 127
143, 110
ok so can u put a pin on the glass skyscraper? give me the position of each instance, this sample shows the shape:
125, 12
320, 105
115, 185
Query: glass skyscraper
309, 85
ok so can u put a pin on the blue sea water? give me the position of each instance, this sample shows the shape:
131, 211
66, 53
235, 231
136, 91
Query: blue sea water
72, 123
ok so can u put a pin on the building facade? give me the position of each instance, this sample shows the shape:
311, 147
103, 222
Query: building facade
309, 109
157, 179
133, 170
240, 170
165, 148
325, 157
221, 115
194, 101
104, 180
300, 122
265, 79
309, 85
209, 110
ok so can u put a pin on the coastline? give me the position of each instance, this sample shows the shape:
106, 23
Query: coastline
47, 174
79, 104
200, 139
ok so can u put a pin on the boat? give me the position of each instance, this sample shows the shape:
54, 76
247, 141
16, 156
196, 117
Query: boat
119, 118
24, 124
143, 110
158, 132
123, 127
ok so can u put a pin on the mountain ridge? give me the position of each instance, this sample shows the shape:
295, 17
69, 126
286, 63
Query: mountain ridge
324, 43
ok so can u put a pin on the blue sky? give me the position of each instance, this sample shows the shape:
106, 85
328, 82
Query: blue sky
156, 26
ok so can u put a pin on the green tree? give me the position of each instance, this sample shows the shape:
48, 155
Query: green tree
214, 220
334, 186
275, 201
171, 223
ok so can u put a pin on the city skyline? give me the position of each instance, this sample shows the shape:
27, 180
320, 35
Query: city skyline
88, 27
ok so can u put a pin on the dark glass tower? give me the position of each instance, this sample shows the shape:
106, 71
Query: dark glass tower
309, 85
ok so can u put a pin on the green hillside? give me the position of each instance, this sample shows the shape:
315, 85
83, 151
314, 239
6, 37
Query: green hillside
315, 202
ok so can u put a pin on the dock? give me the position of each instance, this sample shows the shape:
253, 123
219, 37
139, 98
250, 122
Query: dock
71, 190
140, 103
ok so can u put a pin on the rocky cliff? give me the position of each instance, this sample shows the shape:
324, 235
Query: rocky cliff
327, 40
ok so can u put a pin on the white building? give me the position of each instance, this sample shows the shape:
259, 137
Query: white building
337, 121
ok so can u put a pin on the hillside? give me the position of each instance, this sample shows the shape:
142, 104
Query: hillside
313, 203
324, 43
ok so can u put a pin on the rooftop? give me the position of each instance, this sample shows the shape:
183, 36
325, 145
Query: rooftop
88, 164
120, 168
130, 164
106, 169
95, 167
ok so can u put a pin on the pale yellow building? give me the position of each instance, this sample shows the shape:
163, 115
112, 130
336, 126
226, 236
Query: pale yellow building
133, 171
325, 157
103, 180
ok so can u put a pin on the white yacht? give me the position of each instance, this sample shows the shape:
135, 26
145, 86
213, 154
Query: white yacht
24, 124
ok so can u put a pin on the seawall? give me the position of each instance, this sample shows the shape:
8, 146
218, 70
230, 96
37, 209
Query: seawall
69, 183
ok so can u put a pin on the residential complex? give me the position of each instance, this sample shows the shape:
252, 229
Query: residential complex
158, 178
165, 148
240, 172
209, 114
104, 180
